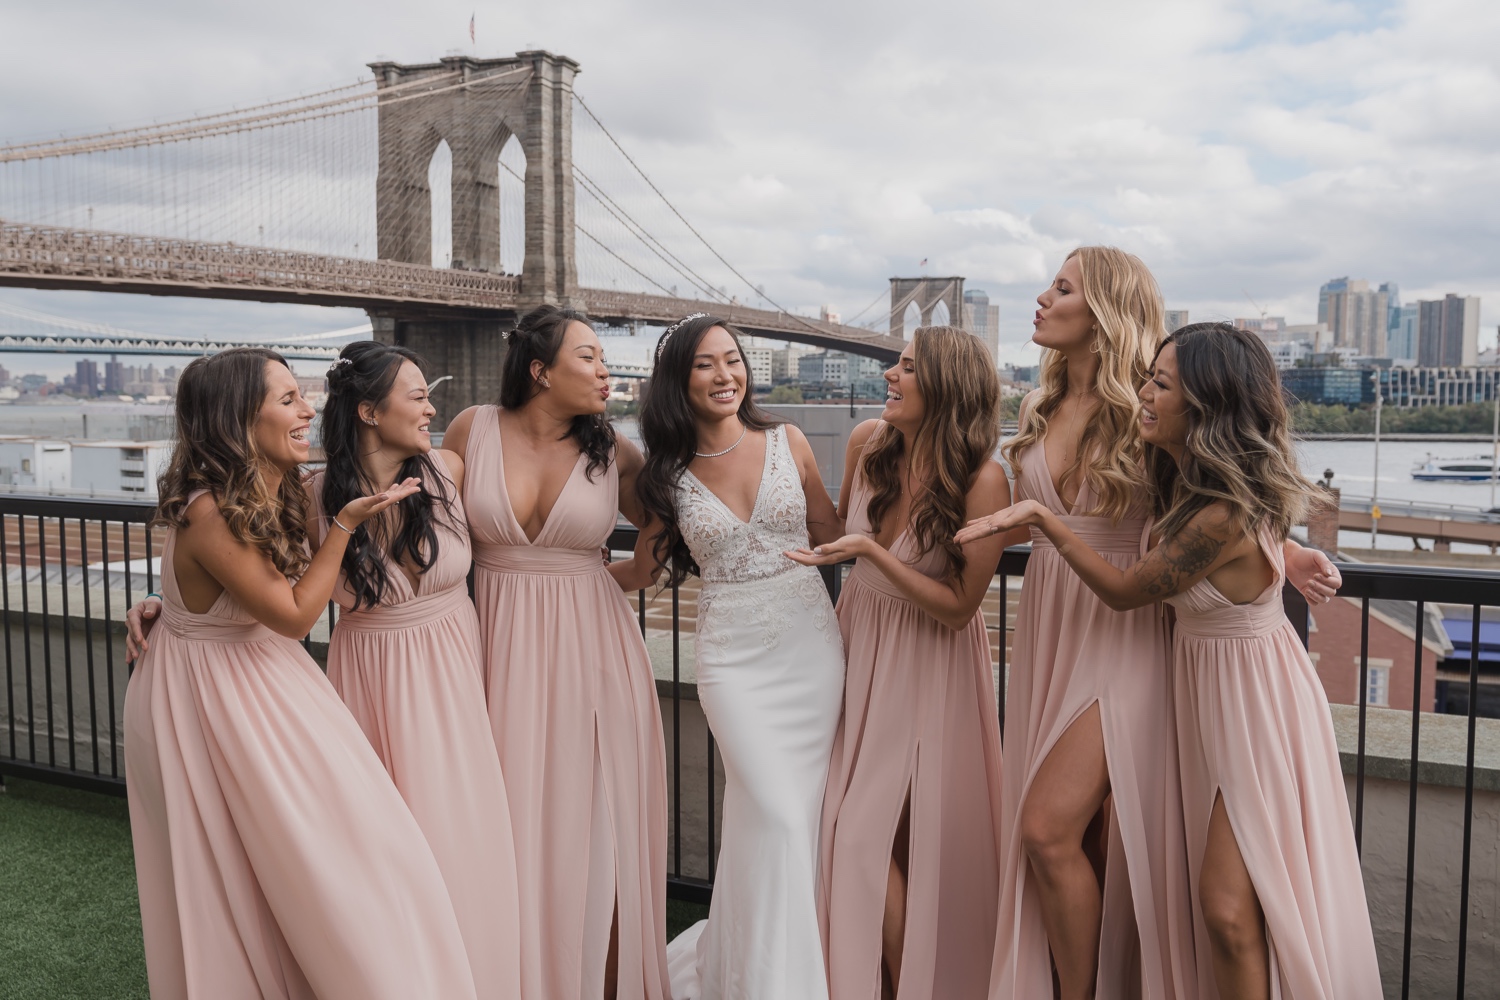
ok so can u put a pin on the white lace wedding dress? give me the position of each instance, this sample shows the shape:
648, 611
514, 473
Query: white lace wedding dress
771, 683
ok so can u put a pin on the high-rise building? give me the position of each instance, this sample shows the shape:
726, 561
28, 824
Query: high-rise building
1355, 315
1402, 339
982, 319
1448, 331
1329, 288
1175, 319
1392, 306
115, 376
86, 378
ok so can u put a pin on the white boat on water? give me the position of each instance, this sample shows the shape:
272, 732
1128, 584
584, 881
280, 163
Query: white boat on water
1474, 469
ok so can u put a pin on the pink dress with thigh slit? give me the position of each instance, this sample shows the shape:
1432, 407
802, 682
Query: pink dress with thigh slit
1254, 727
1071, 652
919, 726
572, 704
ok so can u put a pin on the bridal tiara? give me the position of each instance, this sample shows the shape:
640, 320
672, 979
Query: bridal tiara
673, 329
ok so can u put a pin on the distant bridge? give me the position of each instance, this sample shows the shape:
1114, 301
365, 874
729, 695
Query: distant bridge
55, 257
350, 196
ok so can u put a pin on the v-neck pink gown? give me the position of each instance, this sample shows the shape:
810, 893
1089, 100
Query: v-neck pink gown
1070, 652
411, 672
572, 701
1254, 727
273, 855
920, 726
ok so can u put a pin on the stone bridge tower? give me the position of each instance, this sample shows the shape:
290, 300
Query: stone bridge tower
926, 293
529, 96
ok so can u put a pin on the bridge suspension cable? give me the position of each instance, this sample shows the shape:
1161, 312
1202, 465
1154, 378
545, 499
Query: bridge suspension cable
666, 201
293, 199
226, 123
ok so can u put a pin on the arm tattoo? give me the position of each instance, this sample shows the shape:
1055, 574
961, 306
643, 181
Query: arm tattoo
1184, 557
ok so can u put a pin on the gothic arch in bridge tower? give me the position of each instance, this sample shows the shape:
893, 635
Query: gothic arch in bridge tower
476, 106
925, 294
911, 318
440, 199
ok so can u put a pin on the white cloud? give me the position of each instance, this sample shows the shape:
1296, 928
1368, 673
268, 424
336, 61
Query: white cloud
1238, 147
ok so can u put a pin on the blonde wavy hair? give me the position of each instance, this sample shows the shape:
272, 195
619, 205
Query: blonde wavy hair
1239, 443
218, 400
1126, 305
959, 432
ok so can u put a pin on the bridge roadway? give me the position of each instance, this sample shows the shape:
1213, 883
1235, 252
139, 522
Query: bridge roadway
37, 256
1443, 523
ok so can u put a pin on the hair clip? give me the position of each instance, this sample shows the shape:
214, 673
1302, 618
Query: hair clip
667, 335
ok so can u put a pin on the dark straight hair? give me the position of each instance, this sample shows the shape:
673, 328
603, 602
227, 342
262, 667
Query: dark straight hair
364, 373
669, 430
539, 337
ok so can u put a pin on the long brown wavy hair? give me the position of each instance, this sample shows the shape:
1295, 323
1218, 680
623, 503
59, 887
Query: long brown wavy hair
218, 400
1239, 441
960, 428
1126, 304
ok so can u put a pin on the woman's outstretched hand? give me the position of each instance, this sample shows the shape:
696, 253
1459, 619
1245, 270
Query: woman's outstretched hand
1018, 514
832, 553
357, 512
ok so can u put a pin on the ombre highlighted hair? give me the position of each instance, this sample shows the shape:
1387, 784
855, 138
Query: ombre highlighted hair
1126, 305
1239, 442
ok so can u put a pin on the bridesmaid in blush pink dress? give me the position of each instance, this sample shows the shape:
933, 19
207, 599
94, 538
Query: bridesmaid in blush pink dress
911, 818
406, 656
1094, 886
572, 698
1280, 908
273, 855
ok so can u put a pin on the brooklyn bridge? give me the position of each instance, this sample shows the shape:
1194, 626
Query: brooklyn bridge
443, 199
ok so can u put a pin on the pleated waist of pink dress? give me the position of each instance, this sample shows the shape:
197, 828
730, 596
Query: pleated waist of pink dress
538, 560
1100, 534
1232, 621
210, 628
420, 610
869, 576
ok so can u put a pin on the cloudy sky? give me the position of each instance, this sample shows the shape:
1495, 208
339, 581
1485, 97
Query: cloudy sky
1243, 149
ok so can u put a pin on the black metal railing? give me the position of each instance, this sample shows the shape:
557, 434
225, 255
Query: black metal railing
69, 568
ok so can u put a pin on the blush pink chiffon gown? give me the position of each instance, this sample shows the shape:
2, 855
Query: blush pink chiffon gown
919, 727
1254, 727
572, 703
1072, 652
410, 672
274, 856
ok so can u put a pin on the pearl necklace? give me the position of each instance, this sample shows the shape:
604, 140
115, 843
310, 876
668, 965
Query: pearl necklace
715, 454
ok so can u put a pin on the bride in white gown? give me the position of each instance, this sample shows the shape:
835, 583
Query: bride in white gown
729, 492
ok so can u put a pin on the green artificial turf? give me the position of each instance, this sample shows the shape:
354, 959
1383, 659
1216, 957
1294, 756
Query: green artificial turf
70, 926
681, 916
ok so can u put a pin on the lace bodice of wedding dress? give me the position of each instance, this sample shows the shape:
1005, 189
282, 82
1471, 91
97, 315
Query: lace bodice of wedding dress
729, 550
